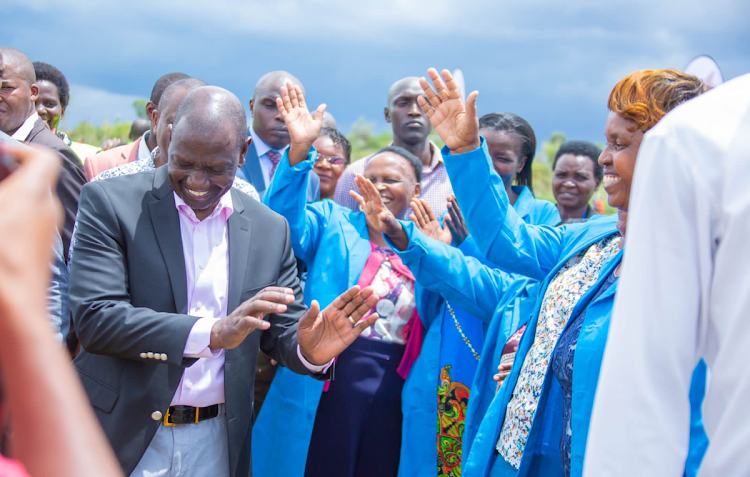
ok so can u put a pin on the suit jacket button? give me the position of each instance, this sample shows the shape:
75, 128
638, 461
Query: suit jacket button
144, 355
156, 416
163, 357
150, 354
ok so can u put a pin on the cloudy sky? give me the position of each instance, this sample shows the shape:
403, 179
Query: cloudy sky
551, 61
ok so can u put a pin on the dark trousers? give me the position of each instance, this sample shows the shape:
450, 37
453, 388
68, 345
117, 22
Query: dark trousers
357, 430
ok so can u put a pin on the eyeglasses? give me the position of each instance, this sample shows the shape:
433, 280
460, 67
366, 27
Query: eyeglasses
332, 160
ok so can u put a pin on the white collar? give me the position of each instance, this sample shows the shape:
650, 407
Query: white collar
23, 132
261, 147
143, 152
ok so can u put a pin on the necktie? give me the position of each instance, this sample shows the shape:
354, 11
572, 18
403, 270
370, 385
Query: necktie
275, 158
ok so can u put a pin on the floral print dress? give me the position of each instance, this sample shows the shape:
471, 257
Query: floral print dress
570, 283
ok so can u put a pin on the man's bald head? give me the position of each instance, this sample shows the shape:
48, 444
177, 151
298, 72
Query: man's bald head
19, 62
19, 90
213, 110
410, 83
268, 125
275, 80
208, 145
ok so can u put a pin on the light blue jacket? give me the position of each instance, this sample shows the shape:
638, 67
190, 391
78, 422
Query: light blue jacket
334, 242
537, 252
465, 280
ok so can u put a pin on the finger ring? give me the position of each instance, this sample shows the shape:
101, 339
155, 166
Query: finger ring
354, 323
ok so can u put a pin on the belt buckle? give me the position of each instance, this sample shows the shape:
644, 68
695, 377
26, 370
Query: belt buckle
171, 424
166, 421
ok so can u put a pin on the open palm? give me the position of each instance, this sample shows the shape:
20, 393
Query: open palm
425, 219
323, 335
303, 127
370, 202
455, 122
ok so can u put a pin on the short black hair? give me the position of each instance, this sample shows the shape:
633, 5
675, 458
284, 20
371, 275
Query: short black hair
582, 148
510, 123
46, 72
416, 164
163, 83
338, 140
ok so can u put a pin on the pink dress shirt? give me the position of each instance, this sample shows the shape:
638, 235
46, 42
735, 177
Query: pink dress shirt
205, 246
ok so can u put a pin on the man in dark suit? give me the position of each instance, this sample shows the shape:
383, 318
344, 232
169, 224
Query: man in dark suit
177, 281
269, 135
19, 119
269, 139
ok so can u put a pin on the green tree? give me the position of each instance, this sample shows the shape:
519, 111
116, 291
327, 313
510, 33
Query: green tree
365, 141
89, 134
140, 108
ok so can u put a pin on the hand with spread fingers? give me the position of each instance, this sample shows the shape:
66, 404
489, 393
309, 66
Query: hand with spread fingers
323, 335
455, 122
426, 221
230, 332
303, 127
378, 215
455, 221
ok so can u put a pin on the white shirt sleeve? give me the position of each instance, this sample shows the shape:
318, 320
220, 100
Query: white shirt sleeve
314, 368
641, 414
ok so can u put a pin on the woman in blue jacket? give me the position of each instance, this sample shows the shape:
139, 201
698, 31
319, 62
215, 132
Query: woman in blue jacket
454, 340
534, 409
353, 427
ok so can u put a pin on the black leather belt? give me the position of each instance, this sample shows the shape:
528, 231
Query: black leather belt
181, 415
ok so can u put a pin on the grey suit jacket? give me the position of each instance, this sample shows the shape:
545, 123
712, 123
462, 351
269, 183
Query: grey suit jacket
128, 294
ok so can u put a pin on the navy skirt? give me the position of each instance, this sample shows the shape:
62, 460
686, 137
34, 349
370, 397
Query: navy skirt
357, 430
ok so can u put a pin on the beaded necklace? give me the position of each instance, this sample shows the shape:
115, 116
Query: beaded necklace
461, 331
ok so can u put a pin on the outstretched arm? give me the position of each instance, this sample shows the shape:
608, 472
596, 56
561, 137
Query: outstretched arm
437, 266
503, 237
460, 279
286, 195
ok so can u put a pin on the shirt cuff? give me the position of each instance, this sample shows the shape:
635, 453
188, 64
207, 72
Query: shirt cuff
312, 367
199, 339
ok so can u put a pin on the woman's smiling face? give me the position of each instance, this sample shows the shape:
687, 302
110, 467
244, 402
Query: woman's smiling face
618, 158
395, 180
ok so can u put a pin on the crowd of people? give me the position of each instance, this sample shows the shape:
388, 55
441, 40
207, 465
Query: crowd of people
246, 298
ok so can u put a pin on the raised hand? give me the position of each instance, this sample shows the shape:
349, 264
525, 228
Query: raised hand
455, 122
370, 202
379, 217
230, 332
303, 127
426, 221
324, 335
455, 221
